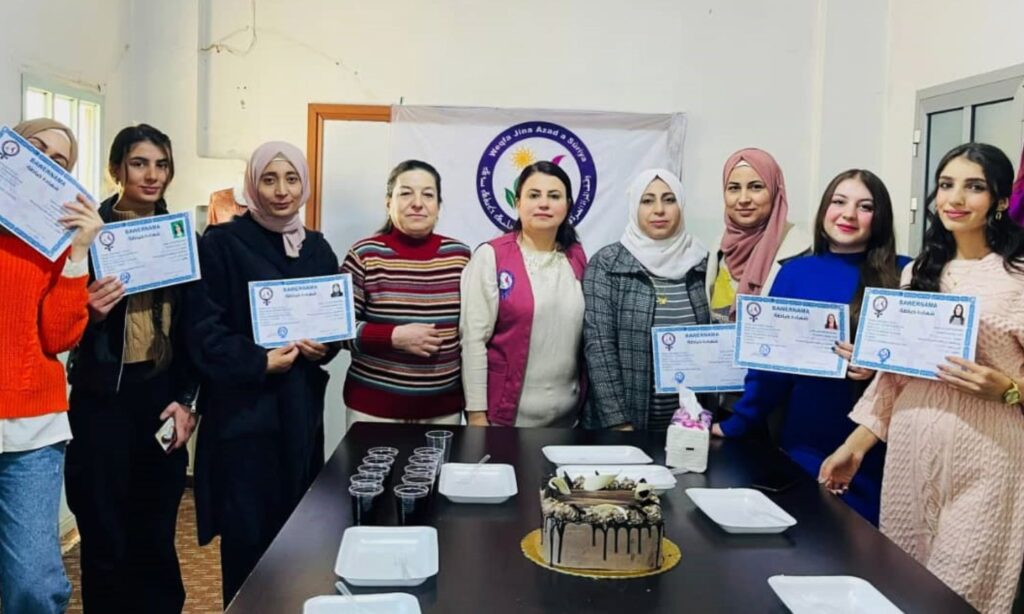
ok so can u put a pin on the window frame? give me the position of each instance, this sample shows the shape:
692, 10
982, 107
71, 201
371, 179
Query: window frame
81, 93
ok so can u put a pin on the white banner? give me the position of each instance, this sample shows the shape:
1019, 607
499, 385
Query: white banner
481, 151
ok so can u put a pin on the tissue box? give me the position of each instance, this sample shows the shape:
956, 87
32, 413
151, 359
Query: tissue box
686, 443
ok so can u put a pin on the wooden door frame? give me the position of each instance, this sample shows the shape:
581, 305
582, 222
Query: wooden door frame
316, 114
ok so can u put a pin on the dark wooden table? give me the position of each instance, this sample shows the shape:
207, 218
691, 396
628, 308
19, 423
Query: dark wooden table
482, 569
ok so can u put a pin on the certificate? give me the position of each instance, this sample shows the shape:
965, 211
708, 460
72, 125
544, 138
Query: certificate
790, 335
913, 332
315, 308
147, 253
33, 190
698, 357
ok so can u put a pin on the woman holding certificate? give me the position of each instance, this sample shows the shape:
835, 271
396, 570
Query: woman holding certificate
654, 276
522, 312
405, 280
129, 375
952, 495
261, 442
757, 238
44, 314
854, 248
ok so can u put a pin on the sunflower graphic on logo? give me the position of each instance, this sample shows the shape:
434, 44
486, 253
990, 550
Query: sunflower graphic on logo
522, 157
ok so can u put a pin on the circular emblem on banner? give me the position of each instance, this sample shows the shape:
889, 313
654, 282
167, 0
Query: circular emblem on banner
519, 146
9, 149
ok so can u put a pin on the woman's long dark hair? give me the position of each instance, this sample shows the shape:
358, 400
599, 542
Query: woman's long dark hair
566, 235
879, 267
404, 167
1001, 235
131, 136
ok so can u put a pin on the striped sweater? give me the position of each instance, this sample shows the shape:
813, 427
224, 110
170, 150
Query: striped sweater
399, 280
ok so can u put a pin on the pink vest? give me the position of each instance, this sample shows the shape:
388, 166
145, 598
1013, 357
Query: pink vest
510, 344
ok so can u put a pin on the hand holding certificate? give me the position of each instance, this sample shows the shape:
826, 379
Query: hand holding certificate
699, 357
790, 335
316, 308
148, 253
33, 190
912, 332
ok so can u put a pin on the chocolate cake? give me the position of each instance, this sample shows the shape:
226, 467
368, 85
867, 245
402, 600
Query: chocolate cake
599, 522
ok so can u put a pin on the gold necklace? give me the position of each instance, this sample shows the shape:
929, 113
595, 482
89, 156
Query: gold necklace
659, 293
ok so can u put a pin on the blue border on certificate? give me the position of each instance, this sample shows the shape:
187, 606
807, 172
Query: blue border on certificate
168, 218
965, 351
344, 278
52, 252
656, 333
741, 301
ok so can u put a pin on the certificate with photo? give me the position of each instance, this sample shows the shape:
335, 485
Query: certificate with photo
911, 333
33, 190
316, 308
697, 357
147, 253
790, 335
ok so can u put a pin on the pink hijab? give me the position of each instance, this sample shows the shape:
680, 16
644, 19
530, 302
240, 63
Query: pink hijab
750, 252
291, 228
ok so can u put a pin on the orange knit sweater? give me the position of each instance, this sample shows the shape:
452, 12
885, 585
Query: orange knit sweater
43, 314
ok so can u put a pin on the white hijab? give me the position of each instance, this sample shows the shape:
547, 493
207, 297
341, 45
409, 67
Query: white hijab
669, 258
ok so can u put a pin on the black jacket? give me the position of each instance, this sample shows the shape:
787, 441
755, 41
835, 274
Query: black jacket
238, 399
95, 364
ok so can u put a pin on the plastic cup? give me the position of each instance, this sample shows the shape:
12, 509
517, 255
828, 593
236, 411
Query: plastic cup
426, 450
366, 478
431, 462
385, 450
412, 504
365, 503
442, 440
379, 459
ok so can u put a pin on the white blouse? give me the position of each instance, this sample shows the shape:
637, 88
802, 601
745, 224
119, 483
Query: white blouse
550, 391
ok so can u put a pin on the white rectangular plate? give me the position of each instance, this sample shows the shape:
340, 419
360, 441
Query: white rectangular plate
596, 455
657, 476
382, 603
374, 556
473, 483
830, 595
741, 510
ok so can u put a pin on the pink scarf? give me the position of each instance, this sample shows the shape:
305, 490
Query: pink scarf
750, 252
290, 228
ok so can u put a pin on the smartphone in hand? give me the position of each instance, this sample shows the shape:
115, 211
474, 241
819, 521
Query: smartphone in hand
165, 435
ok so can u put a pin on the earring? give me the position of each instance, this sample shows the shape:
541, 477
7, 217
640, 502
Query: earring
999, 214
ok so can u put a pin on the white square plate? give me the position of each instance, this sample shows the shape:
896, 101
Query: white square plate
473, 483
830, 595
658, 476
741, 510
596, 455
382, 603
387, 556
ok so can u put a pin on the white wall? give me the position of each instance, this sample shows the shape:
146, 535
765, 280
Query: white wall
747, 73
934, 42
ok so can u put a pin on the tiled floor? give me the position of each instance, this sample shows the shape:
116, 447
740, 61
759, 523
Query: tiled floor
200, 567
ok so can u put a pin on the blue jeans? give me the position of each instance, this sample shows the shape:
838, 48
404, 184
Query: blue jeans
32, 576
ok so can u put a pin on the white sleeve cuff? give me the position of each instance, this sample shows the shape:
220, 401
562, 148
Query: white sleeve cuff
76, 269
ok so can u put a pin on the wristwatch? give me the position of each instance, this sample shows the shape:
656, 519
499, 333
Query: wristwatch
1012, 395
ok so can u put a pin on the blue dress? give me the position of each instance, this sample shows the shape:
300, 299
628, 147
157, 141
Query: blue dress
816, 421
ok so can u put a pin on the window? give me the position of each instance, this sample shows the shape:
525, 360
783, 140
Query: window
79, 109
987, 108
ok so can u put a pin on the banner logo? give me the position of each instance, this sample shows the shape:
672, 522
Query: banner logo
521, 145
